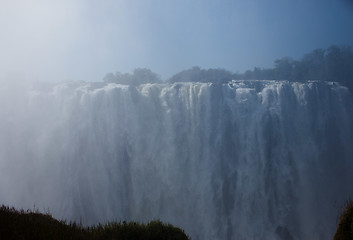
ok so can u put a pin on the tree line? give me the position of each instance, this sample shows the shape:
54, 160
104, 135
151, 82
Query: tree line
332, 64
138, 76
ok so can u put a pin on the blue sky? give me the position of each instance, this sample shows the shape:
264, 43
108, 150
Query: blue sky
85, 39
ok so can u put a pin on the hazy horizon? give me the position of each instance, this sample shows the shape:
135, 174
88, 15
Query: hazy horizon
81, 40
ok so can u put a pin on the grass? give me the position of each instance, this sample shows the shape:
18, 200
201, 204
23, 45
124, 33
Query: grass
25, 225
345, 226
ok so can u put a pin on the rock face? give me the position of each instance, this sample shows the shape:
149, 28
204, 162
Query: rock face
244, 160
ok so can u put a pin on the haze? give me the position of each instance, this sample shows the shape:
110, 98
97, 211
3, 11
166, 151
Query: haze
84, 40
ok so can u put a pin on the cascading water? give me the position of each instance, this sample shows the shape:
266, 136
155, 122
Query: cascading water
244, 160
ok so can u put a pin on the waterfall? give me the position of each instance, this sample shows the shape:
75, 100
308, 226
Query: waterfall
243, 160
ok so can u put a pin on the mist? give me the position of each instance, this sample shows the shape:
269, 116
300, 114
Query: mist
242, 159
82, 41
230, 119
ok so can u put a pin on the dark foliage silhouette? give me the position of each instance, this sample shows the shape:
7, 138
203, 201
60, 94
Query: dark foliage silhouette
28, 225
345, 227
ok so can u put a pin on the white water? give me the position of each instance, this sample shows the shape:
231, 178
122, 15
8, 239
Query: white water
247, 160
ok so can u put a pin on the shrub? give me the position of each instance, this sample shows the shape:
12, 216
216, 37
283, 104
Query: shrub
24, 225
345, 226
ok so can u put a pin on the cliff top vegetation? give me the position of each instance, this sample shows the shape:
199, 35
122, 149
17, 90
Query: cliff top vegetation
332, 64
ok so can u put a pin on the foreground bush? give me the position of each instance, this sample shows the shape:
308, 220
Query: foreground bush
345, 226
24, 225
